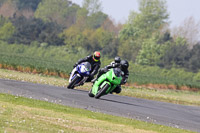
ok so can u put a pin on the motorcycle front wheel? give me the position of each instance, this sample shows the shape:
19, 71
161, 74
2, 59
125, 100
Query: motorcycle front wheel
102, 91
90, 93
73, 82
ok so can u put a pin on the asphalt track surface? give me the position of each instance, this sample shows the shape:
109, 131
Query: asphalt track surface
179, 116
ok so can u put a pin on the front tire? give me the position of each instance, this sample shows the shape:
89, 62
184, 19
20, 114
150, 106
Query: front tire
72, 83
90, 93
102, 91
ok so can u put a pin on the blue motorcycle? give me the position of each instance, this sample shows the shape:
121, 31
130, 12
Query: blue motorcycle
79, 75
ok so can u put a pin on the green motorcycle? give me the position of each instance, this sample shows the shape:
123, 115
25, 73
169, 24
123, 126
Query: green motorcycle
106, 83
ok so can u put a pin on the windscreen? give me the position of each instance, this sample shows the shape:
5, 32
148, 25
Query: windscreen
87, 66
117, 72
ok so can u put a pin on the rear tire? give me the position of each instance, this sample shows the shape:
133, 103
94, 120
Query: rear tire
72, 83
102, 91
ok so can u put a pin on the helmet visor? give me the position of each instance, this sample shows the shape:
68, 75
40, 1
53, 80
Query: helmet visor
96, 56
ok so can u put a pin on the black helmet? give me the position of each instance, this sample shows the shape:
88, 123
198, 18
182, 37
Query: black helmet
124, 64
117, 59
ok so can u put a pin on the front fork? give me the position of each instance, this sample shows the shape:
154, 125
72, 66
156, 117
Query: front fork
82, 81
72, 74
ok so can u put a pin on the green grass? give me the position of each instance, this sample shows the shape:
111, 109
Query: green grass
20, 114
161, 79
39, 64
164, 95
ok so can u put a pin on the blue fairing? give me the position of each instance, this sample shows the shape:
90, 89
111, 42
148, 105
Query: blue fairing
82, 67
82, 73
82, 70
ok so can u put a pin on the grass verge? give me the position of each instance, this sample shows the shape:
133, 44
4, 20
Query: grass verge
20, 114
172, 96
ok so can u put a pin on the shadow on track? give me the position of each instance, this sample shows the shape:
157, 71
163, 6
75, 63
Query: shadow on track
125, 103
78, 90
114, 101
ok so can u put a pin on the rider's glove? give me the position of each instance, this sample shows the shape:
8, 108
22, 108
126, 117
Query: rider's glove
105, 69
115, 64
75, 65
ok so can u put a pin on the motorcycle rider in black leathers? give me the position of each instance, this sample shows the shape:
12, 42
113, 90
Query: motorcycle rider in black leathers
95, 62
123, 65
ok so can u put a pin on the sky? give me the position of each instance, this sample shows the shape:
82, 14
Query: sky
179, 10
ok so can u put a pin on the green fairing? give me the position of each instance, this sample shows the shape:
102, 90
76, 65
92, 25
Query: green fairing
112, 80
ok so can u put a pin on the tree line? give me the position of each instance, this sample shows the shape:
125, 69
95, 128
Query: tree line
145, 39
